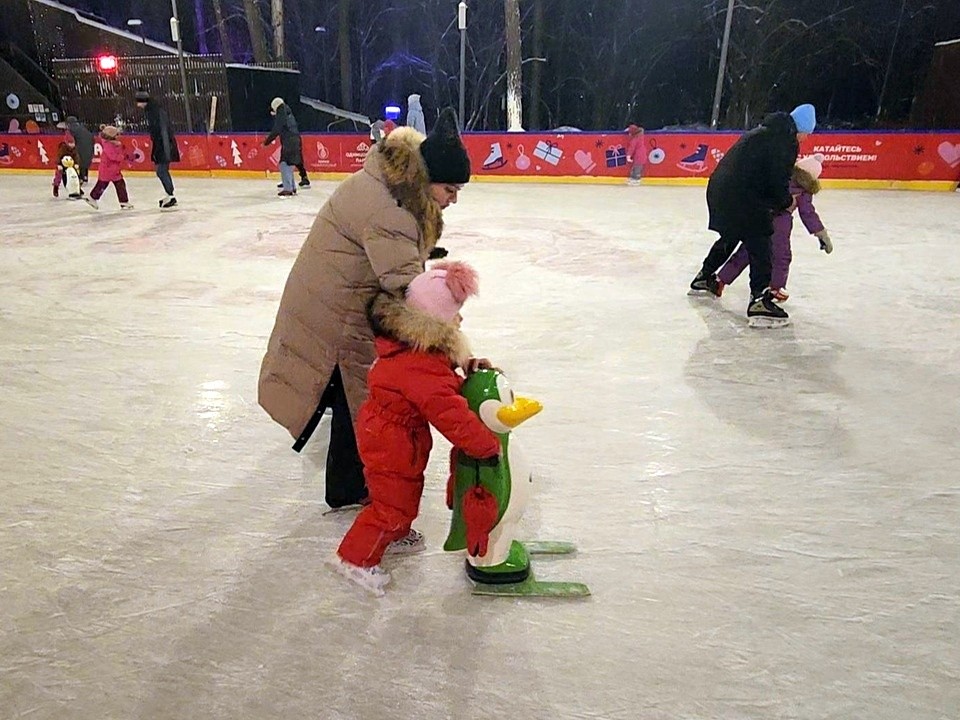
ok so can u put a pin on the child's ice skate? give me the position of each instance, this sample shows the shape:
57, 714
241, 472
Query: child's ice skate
413, 542
706, 285
763, 312
372, 579
92, 203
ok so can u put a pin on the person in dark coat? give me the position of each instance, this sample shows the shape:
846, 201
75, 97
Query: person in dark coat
164, 144
84, 141
749, 187
291, 151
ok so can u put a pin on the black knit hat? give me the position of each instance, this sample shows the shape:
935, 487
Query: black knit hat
443, 152
141, 96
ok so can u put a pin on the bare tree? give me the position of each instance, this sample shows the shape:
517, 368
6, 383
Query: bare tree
511, 10
225, 48
276, 23
535, 69
258, 42
346, 62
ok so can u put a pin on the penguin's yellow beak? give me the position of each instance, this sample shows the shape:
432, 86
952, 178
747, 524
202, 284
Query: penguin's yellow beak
522, 410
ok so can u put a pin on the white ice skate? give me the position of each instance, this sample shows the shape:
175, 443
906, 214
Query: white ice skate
372, 579
413, 542
92, 203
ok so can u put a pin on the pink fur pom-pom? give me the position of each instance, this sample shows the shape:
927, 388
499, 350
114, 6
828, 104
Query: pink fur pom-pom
461, 280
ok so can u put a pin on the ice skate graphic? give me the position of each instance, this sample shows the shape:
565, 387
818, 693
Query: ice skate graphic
697, 161
495, 159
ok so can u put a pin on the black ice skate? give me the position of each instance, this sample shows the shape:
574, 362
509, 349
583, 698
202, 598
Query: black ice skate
763, 312
304, 183
706, 285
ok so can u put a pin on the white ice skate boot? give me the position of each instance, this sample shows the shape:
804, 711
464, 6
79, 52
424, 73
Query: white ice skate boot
372, 579
92, 203
126, 206
413, 542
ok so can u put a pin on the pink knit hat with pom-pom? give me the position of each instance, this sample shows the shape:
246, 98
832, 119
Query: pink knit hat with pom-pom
443, 289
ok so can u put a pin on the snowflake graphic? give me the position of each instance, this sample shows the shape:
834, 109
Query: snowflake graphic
598, 144
919, 150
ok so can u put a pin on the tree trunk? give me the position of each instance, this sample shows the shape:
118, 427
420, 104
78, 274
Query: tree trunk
222, 31
276, 21
255, 25
536, 71
514, 76
346, 61
201, 28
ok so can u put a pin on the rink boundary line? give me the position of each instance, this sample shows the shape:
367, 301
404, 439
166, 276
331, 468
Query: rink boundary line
839, 184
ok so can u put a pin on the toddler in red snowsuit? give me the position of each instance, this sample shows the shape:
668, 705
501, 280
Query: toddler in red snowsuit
412, 384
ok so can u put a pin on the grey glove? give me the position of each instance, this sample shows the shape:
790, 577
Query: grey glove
825, 243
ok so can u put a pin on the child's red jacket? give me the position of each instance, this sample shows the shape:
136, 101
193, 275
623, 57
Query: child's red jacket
413, 384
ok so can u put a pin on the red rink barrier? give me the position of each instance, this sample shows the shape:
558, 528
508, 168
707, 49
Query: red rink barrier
922, 160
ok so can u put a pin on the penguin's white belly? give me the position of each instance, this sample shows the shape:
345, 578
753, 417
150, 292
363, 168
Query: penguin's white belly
505, 532
73, 182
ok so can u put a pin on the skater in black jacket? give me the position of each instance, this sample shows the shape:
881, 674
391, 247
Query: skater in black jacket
750, 185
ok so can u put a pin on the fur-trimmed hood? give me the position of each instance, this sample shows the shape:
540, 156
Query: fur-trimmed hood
397, 163
805, 180
391, 318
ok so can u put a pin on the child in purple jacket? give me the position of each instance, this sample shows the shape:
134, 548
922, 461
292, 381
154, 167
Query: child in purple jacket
804, 184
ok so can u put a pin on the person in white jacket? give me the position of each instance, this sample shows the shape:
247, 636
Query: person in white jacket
415, 114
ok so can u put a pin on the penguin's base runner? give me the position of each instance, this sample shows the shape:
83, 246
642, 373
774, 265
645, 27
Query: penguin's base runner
530, 586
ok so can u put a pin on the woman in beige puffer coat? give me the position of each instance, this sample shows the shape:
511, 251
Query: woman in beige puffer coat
375, 232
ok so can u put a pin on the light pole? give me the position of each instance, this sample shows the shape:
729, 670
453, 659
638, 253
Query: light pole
462, 24
138, 24
175, 32
322, 32
725, 46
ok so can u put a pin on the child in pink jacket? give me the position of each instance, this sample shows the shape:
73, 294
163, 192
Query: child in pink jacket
636, 154
112, 157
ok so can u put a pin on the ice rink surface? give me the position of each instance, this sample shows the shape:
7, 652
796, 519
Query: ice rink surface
768, 519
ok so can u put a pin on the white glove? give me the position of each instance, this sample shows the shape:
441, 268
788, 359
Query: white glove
825, 243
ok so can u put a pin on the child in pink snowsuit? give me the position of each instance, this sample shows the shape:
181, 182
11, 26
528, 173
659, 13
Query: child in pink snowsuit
112, 158
636, 154
804, 184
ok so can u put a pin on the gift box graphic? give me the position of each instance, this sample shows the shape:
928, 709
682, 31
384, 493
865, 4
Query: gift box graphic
548, 152
616, 156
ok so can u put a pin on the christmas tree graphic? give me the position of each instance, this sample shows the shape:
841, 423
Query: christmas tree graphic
43, 153
237, 160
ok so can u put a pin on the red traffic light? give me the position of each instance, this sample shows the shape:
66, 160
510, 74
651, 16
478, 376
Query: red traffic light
107, 63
